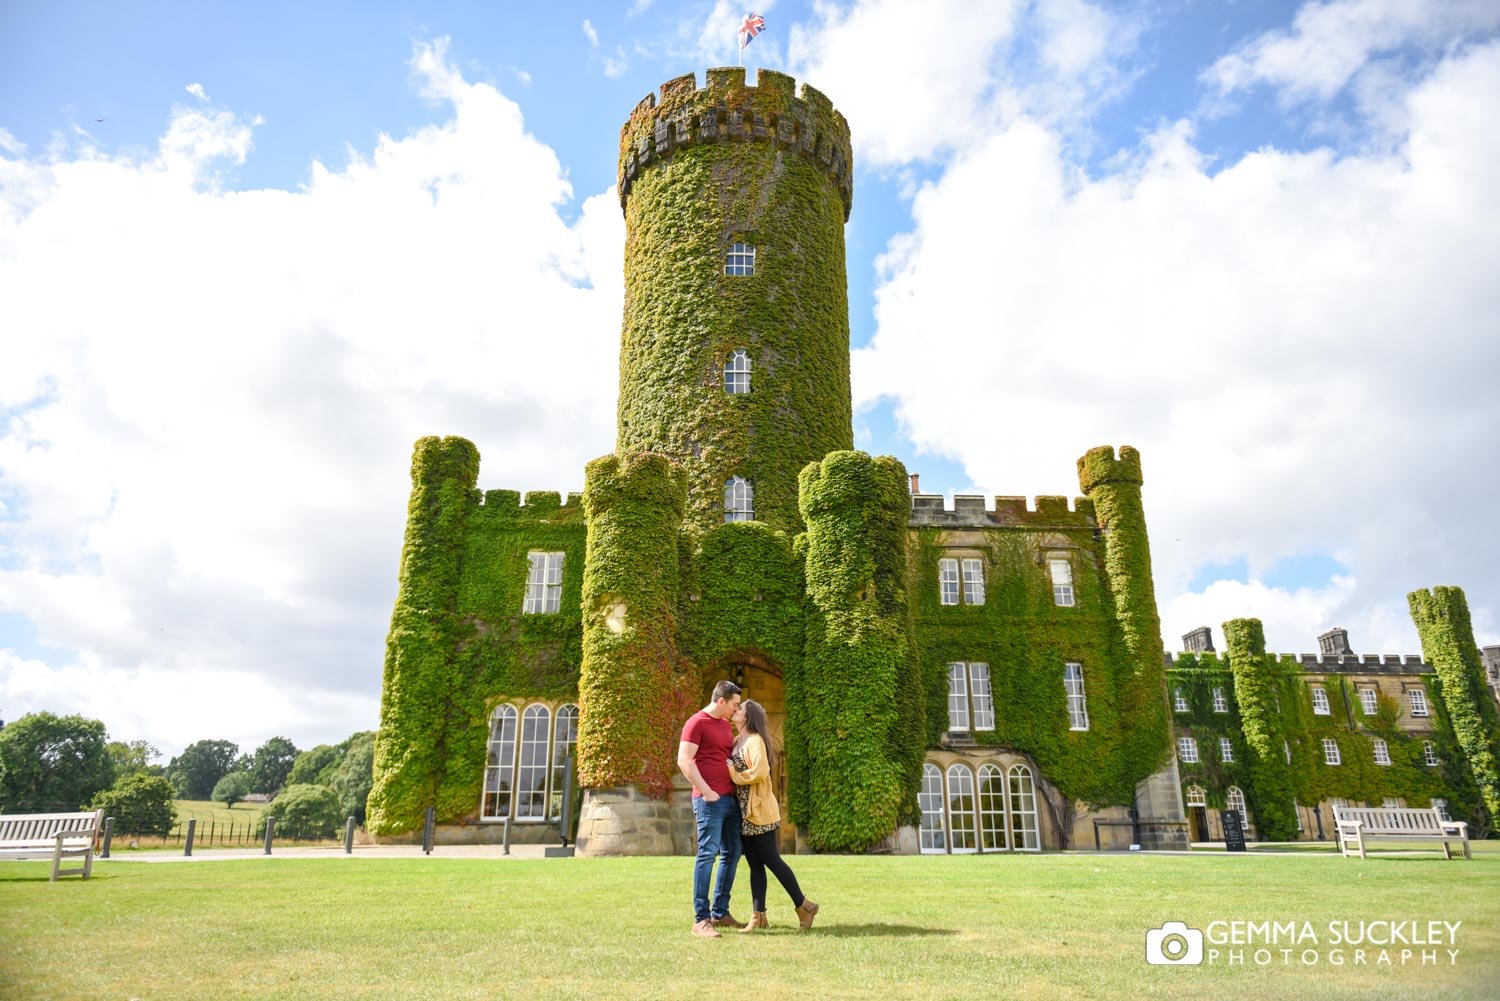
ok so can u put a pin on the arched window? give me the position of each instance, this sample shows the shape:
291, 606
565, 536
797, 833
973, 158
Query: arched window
1234, 799
739, 499
961, 809
1196, 796
930, 800
500, 764
993, 835
737, 373
1025, 834
531, 775
564, 737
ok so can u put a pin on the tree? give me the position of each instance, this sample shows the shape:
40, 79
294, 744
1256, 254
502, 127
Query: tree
307, 811
309, 767
133, 756
200, 766
231, 789
355, 775
52, 763
272, 763
141, 803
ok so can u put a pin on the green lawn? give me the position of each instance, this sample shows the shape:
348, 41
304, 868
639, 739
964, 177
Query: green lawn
1045, 927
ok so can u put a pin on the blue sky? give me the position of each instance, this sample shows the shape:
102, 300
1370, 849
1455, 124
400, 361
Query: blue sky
1249, 238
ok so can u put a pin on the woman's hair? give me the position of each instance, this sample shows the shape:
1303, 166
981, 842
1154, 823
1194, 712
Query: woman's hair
756, 723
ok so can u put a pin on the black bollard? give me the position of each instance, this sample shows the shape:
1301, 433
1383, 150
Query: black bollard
427, 824
349, 836
109, 835
270, 827
187, 846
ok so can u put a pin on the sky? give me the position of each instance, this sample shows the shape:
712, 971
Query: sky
250, 253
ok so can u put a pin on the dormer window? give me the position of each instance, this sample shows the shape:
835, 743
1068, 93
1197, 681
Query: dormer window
741, 260
739, 499
737, 373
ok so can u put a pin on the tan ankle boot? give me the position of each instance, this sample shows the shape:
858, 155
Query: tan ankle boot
806, 913
757, 920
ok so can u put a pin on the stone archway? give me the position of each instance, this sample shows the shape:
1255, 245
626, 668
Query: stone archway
761, 680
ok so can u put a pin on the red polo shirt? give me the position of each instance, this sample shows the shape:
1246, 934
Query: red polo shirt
715, 739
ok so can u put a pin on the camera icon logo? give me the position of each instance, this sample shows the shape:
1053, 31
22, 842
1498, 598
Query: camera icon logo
1174, 944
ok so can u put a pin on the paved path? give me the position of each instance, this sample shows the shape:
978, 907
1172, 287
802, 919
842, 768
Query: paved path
328, 852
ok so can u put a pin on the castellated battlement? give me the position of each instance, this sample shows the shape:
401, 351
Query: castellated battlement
1314, 663
1099, 465
539, 505
727, 110
969, 511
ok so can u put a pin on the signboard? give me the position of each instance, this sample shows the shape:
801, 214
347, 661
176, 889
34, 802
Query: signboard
1234, 831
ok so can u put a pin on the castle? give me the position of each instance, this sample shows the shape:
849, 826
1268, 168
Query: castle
958, 678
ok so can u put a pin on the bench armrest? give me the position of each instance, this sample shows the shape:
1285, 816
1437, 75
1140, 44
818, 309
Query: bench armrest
1456, 826
85, 832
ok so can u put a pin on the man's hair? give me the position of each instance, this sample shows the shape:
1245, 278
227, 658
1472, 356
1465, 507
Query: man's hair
725, 690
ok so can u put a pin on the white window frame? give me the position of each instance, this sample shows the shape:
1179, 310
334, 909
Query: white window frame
1381, 750
1061, 572
1179, 701
934, 836
1320, 702
1392, 803
981, 696
1187, 750
958, 697
1369, 701
533, 742
948, 589
495, 800
973, 577
1195, 795
1286, 748
1417, 697
543, 583
1234, 799
1441, 806
1226, 750
1221, 701
739, 262
739, 499
971, 700
963, 824
994, 818
1078, 707
1025, 826
1331, 755
564, 743
1429, 754
737, 373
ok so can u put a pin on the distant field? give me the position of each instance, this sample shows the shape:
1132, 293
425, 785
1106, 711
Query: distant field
207, 810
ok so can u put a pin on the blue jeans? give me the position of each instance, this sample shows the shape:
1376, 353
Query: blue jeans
718, 836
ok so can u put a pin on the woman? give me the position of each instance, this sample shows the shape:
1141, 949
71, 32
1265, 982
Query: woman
759, 814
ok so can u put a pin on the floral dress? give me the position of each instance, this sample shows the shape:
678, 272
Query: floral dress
742, 793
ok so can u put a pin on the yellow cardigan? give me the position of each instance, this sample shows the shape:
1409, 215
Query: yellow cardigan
763, 809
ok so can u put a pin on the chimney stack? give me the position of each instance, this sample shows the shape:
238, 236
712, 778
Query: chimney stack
916, 486
1335, 643
1200, 640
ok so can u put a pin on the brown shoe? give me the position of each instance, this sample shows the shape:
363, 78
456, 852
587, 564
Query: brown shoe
806, 913
728, 921
705, 929
757, 920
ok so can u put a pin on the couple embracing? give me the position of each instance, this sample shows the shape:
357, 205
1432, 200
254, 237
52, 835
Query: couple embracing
726, 754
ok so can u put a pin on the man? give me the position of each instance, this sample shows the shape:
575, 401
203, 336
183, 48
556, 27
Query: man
703, 756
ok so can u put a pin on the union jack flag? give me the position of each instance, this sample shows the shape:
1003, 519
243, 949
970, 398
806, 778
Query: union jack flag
754, 24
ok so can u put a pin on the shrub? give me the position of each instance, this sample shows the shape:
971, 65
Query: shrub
231, 789
140, 803
307, 811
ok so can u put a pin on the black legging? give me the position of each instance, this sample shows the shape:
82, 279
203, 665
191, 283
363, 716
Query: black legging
760, 851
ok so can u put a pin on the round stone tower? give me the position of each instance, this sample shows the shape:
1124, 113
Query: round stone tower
734, 352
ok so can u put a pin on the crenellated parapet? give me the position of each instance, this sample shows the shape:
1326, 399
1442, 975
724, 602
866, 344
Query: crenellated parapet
969, 511
536, 506
727, 110
1314, 663
1099, 466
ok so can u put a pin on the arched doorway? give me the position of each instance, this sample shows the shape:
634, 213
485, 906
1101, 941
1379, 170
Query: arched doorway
761, 680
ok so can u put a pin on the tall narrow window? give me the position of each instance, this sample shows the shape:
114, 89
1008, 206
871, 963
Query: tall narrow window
1234, 799
1179, 701
930, 800
958, 698
1320, 701
739, 499
948, 582
741, 260
1382, 752
1187, 750
1025, 835
1441, 806
1226, 750
1331, 752
1429, 754
1368, 701
1062, 583
1221, 703
543, 584
1078, 710
564, 737
984, 701
973, 582
993, 835
1418, 699
961, 814
737, 373
531, 775
500, 763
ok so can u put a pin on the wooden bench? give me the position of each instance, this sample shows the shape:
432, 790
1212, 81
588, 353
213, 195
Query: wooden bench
1355, 825
52, 836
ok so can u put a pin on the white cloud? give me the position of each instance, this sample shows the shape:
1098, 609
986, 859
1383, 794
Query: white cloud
196, 89
1298, 343
593, 36
213, 396
616, 65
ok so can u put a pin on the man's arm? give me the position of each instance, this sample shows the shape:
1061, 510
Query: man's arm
687, 761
